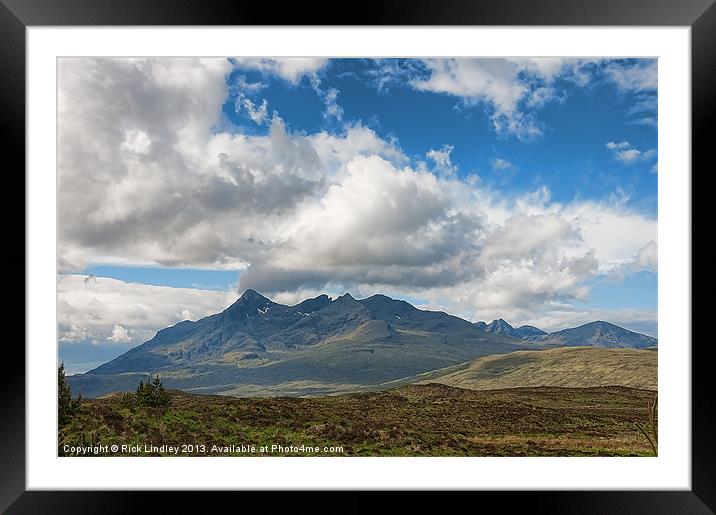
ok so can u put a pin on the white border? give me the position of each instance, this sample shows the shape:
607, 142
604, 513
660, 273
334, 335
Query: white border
670, 470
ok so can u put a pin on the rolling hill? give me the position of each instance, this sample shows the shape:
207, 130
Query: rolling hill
570, 367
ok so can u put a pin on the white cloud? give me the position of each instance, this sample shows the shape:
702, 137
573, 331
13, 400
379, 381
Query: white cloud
501, 165
241, 84
510, 87
647, 258
514, 89
336, 150
644, 110
199, 197
547, 68
259, 114
119, 334
332, 109
290, 69
641, 75
109, 311
443, 161
492, 81
624, 151
136, 141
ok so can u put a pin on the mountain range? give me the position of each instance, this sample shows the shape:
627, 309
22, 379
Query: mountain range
499, 326
321, 346
593, 334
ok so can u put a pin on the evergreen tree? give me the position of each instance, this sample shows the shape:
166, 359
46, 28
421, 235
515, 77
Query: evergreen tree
152, 393
66, 407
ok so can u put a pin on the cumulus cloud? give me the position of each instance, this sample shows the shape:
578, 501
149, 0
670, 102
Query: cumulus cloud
119, 334
145, 178
379, 225
109, 311
192, 195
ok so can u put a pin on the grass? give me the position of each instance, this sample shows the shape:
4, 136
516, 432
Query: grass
570, 367
415, 420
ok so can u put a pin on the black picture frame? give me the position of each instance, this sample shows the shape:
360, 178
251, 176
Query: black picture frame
699, 15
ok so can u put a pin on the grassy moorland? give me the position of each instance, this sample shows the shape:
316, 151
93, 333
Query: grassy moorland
414, 420
569, 367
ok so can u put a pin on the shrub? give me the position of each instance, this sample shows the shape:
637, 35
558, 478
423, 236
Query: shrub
128, 400
152, 393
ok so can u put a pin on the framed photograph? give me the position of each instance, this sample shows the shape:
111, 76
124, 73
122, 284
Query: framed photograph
448, 249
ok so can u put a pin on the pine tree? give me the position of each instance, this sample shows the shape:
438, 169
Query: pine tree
152, 393
66, 407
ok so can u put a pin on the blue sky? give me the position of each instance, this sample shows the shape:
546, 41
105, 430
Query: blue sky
570, 158
520, 188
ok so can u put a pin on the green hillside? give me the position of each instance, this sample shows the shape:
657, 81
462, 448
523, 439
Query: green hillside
570, 367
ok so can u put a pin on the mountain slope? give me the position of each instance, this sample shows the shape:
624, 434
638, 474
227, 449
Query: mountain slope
571, 367
499, 326
317, 345
526, 331
597, 334
403, 315
340, 317
238, 329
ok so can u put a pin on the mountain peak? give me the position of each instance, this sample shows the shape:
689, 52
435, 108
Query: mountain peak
314, 304
599, 334
379, 296
526, 331
499, 326
252, 294
250, 299
500, 323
